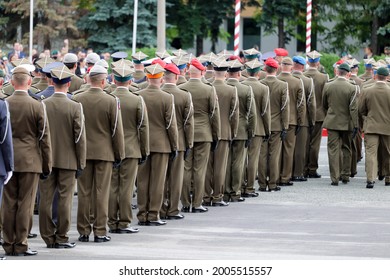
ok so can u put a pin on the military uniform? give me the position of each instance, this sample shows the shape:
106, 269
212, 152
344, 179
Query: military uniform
339, 102
76, 84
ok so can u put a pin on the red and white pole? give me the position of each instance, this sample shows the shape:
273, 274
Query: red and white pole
308, 25
237, 28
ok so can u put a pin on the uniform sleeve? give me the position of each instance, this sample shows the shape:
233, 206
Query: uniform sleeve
251, 112
214, 114
301, 104
285, 107
234, 114
325, 103
143, 127
80, 137
6, 145
311, 103
44, 139
118, 144
353, 106
266, 111
171, 124
189, 122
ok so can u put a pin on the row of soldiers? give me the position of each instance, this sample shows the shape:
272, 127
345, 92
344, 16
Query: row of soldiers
198, 142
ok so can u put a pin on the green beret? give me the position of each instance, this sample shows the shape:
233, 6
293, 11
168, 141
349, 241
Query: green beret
345, 66
383, 71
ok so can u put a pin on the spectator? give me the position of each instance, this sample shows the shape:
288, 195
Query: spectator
368, 52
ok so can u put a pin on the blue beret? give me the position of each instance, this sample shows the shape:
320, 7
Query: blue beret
315, 60
299, 60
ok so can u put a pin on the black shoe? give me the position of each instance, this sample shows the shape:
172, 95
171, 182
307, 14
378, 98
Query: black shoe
220, 203
370, 185
239, 199
262, 189
84, 238
113, 231
276, 189
314, 175
141, 223
387, 183
199, 209
127, 230
26, 254
204, 203
175, 217
2, 258
185, 209
345, 181
334, 183
299, 179
250, 194
157, 223
100, 239
32, 235
289, 183
353, 175
67, 245
381, 177
50, 245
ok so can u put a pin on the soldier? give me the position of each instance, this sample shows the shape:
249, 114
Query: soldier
49, 91
280, 112
70, 60
179, 53
339, 101
297, 118
2, 75
139, 75
69, 149
40, 64
136, 137
245, 134
116, 56
6, 151
163, 147
105, 149
368, 73
32, 150
181, 63
250, 55
206, 59
302, 138
315, 135
184, 112
258, 144
372, 106
229, 115
207, 133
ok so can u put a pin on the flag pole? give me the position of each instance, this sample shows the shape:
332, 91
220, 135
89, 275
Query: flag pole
237, 19
308, 25
135, 19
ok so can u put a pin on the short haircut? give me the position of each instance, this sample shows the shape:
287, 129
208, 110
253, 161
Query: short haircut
381, 78
70, 65
342, 72
97, 78
20, 79
270, 69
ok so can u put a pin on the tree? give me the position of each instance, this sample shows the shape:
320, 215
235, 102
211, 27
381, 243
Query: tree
109, 24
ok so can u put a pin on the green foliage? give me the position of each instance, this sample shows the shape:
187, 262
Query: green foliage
327, 60
151, 52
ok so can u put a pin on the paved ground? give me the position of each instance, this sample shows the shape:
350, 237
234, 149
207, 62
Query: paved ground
311, 220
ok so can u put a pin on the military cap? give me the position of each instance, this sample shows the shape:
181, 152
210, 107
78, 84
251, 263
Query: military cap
287, 61
196, 63
251, 53
313, 56
225, 53
48, 67
267, 55
253, 66
138, 57
2, 75
345, 66
92, 58
369, 62
20, 62
281, 52
154, 71
338, 63
234, 57
20, 70
299, 60
171, 67
70, 58
159, 61
179, 52
61, 74
122, 62
353, 63
55, 52
163, 54
123, 73
28, 67
220, 65
207, 58
119, 55
41, 63
271, 63
235, 65
180, 61
102, 62
97, 70
383, 71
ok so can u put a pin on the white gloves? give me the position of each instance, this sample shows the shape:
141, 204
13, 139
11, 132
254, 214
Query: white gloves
9, 175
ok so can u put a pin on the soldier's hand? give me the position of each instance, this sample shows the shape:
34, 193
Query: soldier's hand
186, 153
354, 132
79, 171
44, 176
283, 134
142, 160
173, 155
266, 138
214, 145
248, 142
297, 129
117, 163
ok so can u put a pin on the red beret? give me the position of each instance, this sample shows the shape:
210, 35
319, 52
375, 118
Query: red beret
281, 52
197, 64
172, 68
234, 57
339, 62
271, 62
159, 61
